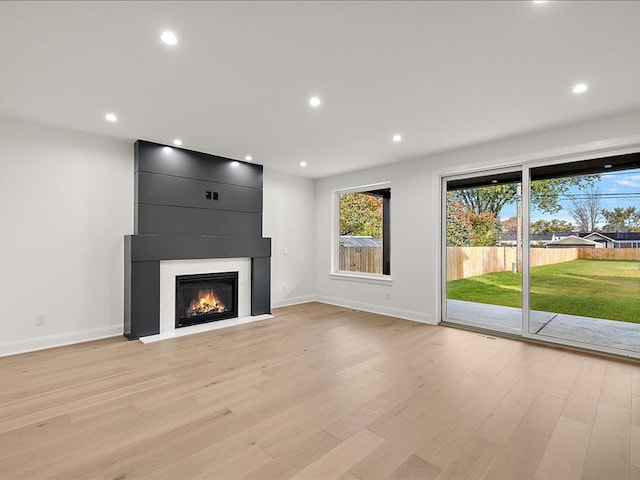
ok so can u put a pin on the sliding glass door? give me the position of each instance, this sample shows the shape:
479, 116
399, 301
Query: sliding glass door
483, 250
577, 279
585, 265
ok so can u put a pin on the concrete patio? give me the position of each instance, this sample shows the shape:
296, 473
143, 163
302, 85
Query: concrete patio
595, 331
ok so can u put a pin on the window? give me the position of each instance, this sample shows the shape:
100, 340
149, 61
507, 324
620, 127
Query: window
363, 231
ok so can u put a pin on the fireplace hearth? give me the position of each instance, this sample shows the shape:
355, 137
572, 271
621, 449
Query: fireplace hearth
206, 298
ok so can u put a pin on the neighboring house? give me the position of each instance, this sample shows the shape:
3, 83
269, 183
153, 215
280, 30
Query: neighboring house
359, 241
573, 241
615, 239
509, 239
604, 239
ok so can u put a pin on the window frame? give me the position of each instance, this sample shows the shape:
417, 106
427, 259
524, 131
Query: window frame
336, 273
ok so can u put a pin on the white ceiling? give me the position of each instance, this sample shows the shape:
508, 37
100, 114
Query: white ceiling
443, 74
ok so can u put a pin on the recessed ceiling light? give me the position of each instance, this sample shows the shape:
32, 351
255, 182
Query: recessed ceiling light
111, 117
169, 38
315, 101
177, 142
397, 138
235, 164
539, 1
608, 166
580, 88
248, 158
303, 164
166, 149
494, 181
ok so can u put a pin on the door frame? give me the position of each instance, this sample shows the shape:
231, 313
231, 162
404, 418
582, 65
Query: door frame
443, 246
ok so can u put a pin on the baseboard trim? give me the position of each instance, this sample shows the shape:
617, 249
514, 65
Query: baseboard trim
59, 340
287, 302
367, 307
62, 339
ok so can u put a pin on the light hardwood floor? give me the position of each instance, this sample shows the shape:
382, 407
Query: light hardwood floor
319, 392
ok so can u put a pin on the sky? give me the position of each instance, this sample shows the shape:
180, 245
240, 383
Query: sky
618, 189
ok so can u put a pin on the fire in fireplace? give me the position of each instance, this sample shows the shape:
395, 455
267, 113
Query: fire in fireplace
206, 298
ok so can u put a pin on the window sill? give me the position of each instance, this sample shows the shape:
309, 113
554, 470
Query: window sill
362, 278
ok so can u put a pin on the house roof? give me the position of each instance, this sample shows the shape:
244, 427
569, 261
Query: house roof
617, 236
511, 237
613, 236
573, 240
597, 235
359, 241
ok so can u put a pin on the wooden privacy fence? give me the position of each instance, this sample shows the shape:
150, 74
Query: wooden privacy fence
465, 262
610, 253
361, 259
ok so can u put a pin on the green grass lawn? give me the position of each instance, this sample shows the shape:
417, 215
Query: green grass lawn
592, 288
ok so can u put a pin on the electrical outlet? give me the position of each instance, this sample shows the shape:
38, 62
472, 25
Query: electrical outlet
41, 320
285, 251
285, 289
388, 295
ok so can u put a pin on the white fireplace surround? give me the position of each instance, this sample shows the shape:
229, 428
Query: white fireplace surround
170, 269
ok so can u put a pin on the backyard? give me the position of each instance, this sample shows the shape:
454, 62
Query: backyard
607, 289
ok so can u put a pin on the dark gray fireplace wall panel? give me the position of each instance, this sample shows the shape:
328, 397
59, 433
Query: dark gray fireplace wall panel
161, 189
182, 192
179, 162
145, 248
260, 285
145, 300
166, 220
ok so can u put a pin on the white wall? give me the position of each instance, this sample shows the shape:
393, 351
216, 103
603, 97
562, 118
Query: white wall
289, 220
415, 211
66, 201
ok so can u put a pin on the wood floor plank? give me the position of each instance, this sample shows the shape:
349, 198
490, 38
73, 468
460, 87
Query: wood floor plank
609, 447
299, 454
476, 457
508, 414
616, 387
443, 448
519, 459
635, 446
318, 392
564, 376
338, 461
635, 410
582, 403
566, 451
492, 394
543, 414
415, 468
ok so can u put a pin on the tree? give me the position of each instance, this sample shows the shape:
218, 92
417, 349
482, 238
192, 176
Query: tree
466, 228
586, 209
622, 219
510, 225
545, 194
542, 226
458, 225
361, 214
485, 229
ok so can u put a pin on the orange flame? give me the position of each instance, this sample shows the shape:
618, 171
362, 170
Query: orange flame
207, 302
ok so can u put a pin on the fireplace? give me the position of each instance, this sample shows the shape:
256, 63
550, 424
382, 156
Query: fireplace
206, 298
